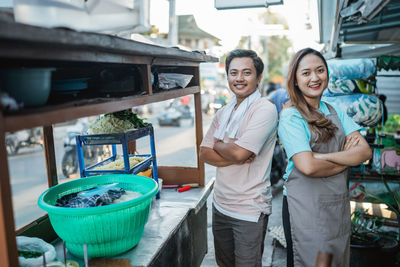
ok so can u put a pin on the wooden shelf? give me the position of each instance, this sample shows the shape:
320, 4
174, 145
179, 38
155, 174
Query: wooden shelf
49, 115
67, 50
23, 41
372, 176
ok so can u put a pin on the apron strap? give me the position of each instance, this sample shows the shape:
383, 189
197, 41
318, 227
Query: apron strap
332, 112
330, 108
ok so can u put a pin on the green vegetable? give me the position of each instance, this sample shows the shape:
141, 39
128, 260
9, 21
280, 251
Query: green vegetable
392, 125
128, 115
29, 254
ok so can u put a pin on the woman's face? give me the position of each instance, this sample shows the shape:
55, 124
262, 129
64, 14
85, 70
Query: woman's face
312, 78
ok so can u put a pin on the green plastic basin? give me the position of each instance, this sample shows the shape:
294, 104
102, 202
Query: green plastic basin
106, 230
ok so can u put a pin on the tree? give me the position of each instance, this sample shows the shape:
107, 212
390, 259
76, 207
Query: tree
153, 30
278, 56
243, 42
277, 48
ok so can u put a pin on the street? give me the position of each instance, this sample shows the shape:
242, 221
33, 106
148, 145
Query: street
174, 147
274, 255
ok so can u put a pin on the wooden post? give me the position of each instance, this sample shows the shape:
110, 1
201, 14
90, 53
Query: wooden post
146, 73
199, 126
132, 147
8, 244
50, 155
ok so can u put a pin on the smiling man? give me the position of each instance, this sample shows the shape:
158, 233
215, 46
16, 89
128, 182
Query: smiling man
240, 143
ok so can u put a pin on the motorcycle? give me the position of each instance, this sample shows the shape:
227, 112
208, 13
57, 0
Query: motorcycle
91, 154
175, 113
24, 138
214, 106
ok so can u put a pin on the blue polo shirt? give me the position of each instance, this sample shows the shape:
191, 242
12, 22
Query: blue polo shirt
279, 97
295, 135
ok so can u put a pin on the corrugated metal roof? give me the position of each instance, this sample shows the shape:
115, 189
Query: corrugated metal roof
371, 21
357, 24
387, 83
367, 50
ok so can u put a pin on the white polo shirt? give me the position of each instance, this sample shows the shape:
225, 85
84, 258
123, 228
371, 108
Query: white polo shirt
242, 191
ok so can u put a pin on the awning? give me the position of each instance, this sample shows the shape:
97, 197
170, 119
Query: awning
363, 28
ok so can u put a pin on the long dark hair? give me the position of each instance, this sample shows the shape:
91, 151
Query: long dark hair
324, 128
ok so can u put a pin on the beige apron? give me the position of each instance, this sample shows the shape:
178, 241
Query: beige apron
319, 208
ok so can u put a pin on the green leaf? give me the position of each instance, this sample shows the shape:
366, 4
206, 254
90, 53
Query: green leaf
128, 115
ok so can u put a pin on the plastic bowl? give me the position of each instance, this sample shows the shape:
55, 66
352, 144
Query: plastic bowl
28, 86
106, 230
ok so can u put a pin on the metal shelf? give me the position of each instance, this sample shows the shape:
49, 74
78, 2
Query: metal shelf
118, 139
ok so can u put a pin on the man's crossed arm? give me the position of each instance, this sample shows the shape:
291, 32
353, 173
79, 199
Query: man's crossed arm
225, 154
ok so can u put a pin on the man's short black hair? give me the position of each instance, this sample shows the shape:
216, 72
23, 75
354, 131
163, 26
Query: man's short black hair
258, 64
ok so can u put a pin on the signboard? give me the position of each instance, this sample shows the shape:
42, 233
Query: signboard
231, 4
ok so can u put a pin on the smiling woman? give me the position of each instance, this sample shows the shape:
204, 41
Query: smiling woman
312, 78
305, 64
321, 142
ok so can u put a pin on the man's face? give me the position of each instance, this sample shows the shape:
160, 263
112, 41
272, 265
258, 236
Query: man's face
242, 77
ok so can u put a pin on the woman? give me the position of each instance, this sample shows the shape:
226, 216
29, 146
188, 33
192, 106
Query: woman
321, 142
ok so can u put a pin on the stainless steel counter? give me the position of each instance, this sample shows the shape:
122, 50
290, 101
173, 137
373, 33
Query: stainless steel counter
175, 234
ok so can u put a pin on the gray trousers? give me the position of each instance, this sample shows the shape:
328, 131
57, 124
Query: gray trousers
236, 242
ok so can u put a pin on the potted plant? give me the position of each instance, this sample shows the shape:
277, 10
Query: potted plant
390, 198
372, 244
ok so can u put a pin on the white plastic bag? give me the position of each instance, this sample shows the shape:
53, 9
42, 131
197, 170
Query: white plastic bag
80, 15
34, 244
172, 80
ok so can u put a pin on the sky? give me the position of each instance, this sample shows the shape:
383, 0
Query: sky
231, 25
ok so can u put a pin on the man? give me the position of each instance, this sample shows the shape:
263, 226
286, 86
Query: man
279, 97
240, 143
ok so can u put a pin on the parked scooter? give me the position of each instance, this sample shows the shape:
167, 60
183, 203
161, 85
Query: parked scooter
92, 154
214, 106
175, 113
24, 138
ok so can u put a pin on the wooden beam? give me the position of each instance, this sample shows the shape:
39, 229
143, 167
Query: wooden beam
173, 62
178, 175
132, 147
50, 155
8, 244
199, 129
145, 71
24, 51
17, 33
50, 115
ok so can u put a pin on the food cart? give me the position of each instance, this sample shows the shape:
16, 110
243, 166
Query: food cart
176, 232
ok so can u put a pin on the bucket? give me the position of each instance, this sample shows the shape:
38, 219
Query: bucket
106, 230
28, 86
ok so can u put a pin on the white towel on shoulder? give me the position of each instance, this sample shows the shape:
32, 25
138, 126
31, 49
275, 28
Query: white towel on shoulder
231, 127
